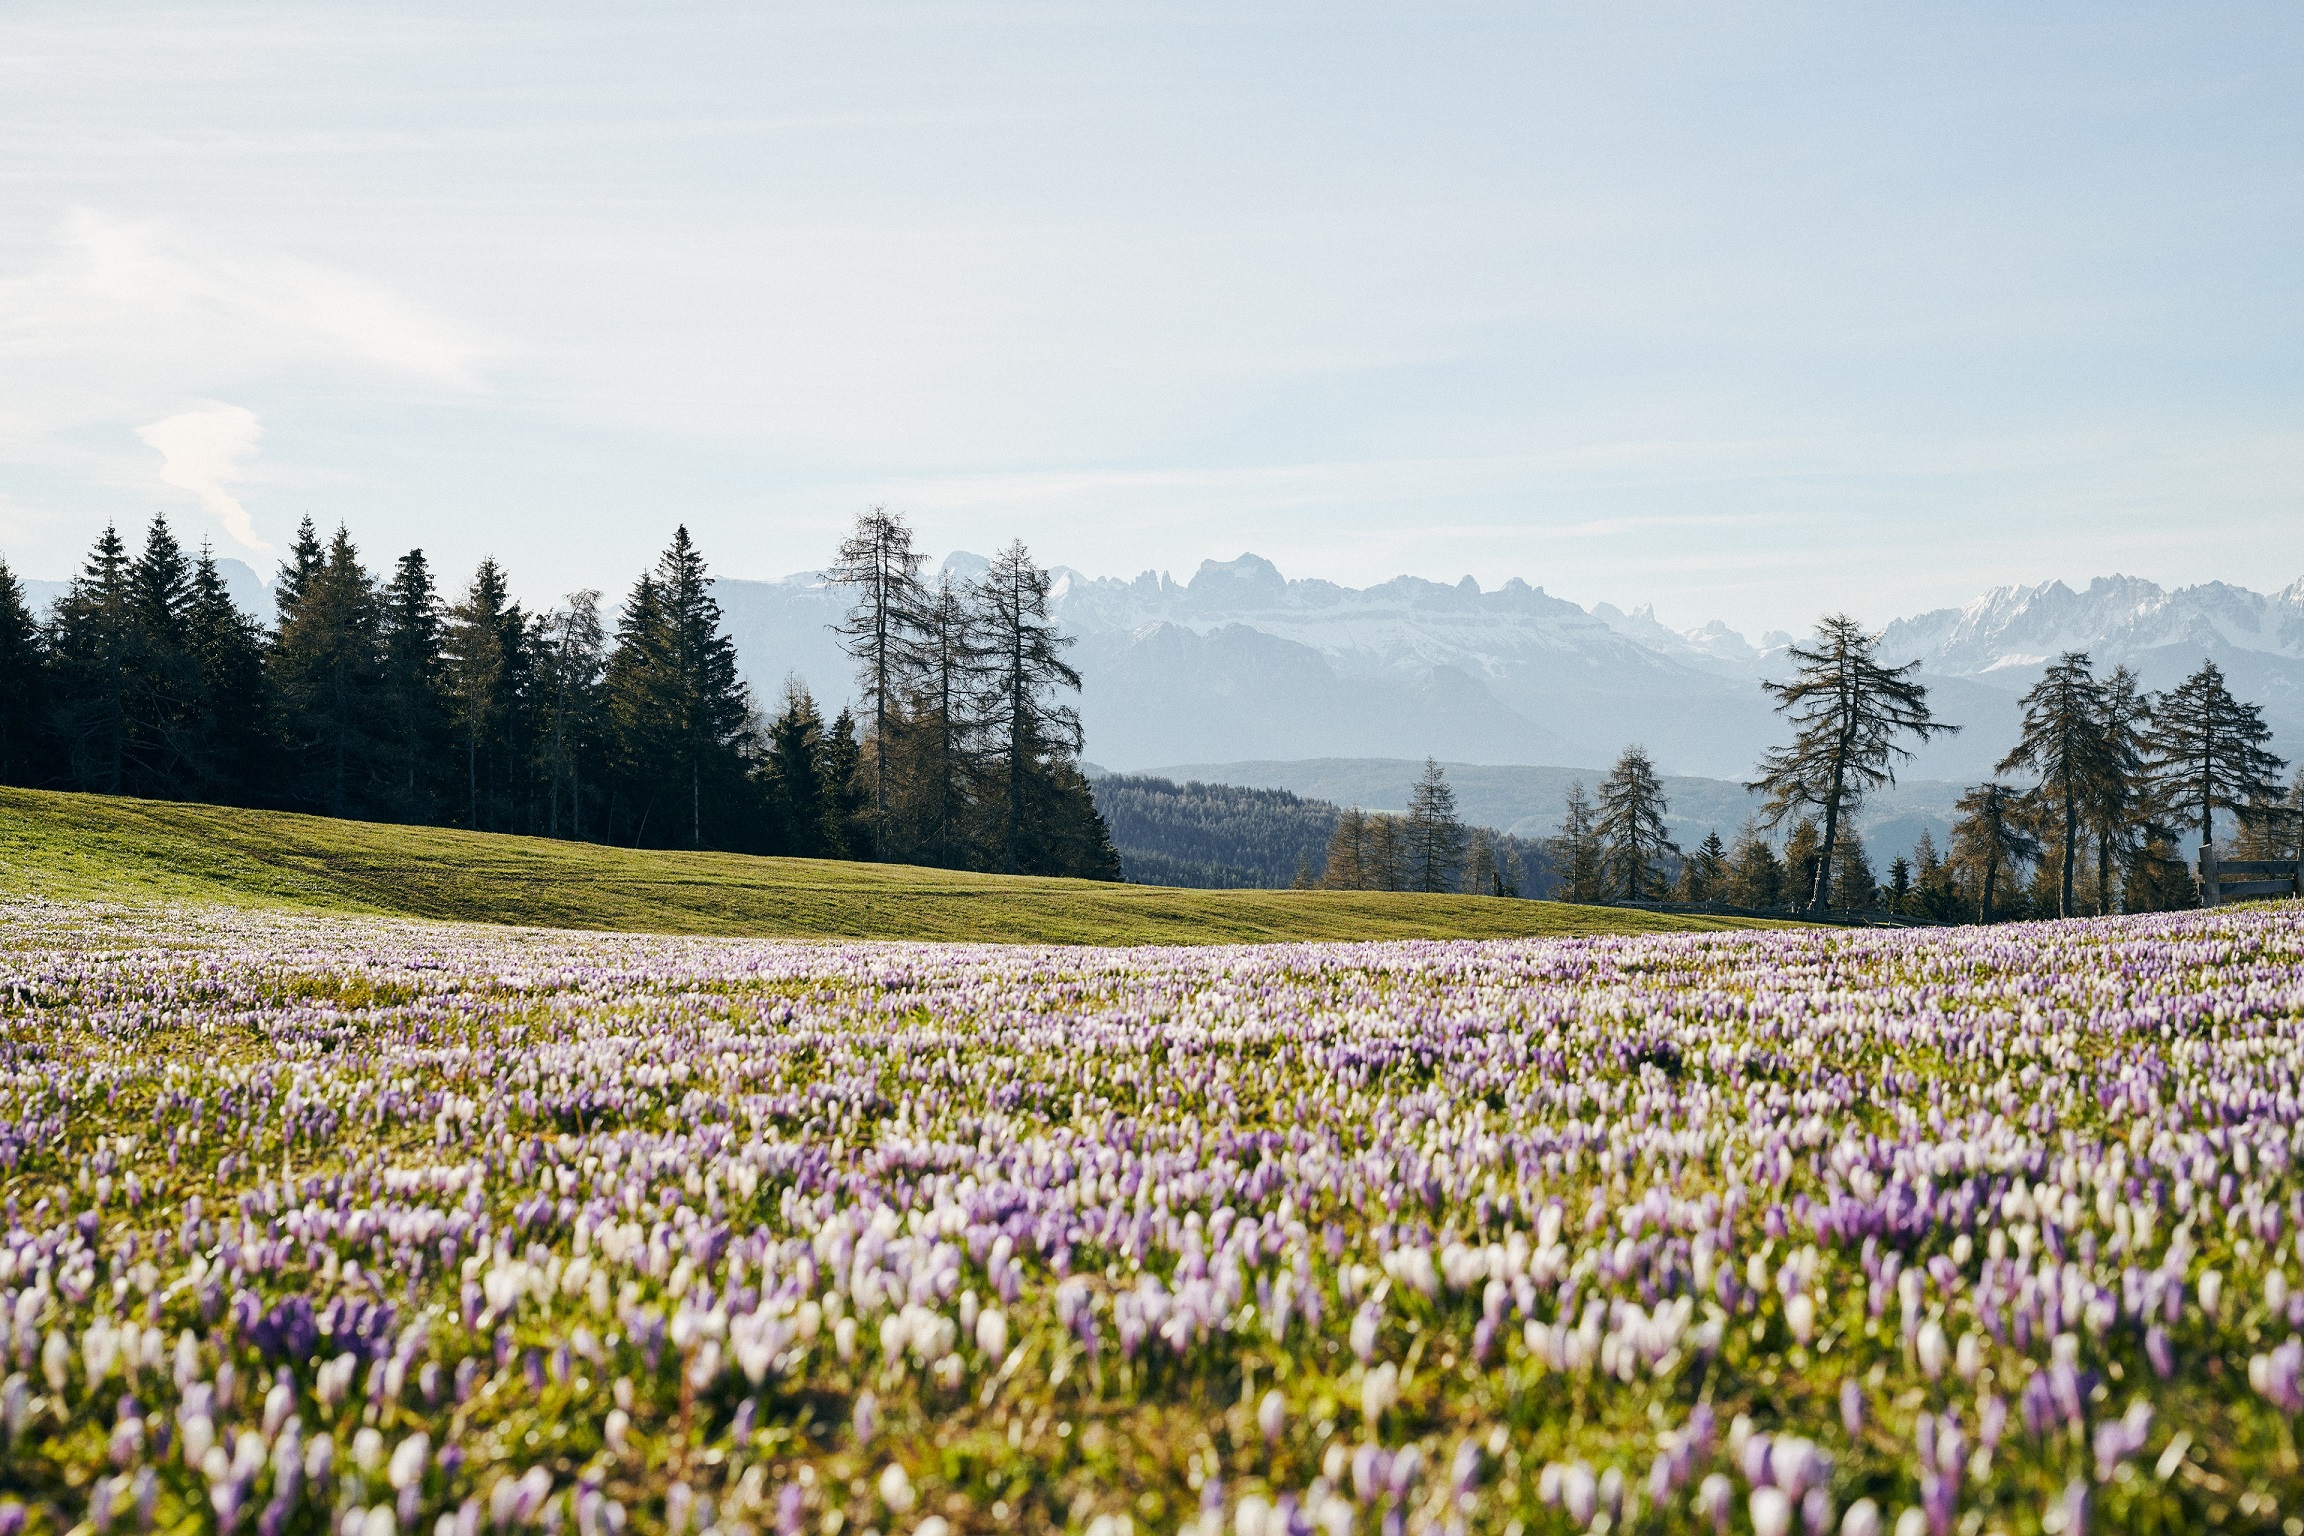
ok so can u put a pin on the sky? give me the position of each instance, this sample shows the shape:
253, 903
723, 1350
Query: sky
1745, 311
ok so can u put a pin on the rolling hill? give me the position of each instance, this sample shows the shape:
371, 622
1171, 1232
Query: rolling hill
141, 852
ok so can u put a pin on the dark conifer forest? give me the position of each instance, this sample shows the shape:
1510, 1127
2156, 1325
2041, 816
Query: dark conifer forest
386, 696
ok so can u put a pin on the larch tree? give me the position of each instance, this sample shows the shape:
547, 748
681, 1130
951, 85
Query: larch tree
1435, 832
1347, 866
1990, 838
2205, 753
1021, 669
1631, 828
1576, 850
881, 632
2116, 804
1850, 715
2064, 743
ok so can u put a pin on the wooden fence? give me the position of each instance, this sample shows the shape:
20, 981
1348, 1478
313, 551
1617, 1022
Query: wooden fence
2223, 880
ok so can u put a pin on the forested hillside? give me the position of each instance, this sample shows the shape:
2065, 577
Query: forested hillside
1213, 836
375, 695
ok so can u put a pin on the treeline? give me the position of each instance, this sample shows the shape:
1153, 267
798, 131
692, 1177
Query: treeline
2109, 781
376, 696
1428, 849
1219, 836
1212, 836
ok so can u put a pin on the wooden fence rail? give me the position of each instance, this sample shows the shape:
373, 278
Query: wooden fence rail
2223, 880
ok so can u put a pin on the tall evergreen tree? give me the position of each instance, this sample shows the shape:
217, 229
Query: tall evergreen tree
1990, 839
415, 693
1704, 872
1803, 858
227, 650
2065, 743
881, 632
798, 782
24, 683
2117, 805
165, 717
1849, 712
1435, 832
1631, 827
847, 792
484, 667
1022, 668
682, 716
2205, 752
326, 676
92, 638
1577, 852
573, 668
1755, 875
1854, 886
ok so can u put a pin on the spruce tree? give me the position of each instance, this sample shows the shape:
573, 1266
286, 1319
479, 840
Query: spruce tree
1990, 839
1849, 713
847, 793
1435, 833
2206, 752
483, 666
227, 650
1803, 857
798, 782
165, 717
1898, 895
1631, 828
711, 711
681, 716
1705, 872
326, 677
414, 692
1854, 887
573, 665
92, 639
1755, 875
24, 686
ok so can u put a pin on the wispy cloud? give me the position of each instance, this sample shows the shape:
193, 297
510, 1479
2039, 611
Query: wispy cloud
124, 318
206, 452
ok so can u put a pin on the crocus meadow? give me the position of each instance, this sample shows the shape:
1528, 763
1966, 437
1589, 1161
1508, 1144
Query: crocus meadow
375, 1227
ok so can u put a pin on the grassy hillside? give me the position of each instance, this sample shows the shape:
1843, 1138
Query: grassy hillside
89, 846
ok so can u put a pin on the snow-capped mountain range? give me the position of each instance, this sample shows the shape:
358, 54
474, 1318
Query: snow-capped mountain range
1242, 663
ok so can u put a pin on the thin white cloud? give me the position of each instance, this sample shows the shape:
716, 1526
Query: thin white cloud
122, 316
206, 452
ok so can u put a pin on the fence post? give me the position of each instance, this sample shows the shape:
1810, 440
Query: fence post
2210, 886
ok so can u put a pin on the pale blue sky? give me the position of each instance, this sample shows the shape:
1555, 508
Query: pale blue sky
1744, 310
